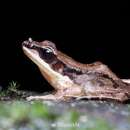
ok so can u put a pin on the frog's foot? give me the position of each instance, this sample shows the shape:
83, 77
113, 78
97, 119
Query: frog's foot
52, 97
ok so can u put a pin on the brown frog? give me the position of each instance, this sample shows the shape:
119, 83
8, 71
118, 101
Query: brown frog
72, 79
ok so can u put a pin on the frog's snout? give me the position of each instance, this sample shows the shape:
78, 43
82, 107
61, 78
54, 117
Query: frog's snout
28, 43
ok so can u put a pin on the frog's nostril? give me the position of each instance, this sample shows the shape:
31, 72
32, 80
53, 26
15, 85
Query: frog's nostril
27, 44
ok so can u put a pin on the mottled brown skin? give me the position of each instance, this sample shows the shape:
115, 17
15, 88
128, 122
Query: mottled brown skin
72, 79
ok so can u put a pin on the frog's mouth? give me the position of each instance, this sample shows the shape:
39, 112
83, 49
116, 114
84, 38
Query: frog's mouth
33, 51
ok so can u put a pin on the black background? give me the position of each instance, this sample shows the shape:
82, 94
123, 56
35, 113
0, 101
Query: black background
88, 32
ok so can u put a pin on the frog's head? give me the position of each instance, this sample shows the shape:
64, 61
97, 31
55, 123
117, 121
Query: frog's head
40, 51
44, 55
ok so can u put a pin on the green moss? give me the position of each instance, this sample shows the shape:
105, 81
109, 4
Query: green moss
12, 88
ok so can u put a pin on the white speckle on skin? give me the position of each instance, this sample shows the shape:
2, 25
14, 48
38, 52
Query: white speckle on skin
89, 88
126, 80
30, 39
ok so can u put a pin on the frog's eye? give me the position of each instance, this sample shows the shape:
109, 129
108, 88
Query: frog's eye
47, 54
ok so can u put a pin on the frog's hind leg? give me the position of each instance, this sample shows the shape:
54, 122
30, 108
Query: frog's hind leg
121, 97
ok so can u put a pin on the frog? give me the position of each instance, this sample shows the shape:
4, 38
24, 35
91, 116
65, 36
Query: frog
72, 79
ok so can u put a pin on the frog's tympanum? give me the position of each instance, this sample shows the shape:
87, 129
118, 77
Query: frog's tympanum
72, 79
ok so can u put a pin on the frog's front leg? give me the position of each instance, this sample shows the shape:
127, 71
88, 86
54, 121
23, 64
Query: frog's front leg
63, 94
58, 96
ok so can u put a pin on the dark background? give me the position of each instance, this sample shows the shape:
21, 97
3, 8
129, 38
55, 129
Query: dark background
85, 31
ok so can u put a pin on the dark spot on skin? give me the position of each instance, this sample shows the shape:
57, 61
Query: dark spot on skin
57, 65
70, 70
101, 83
